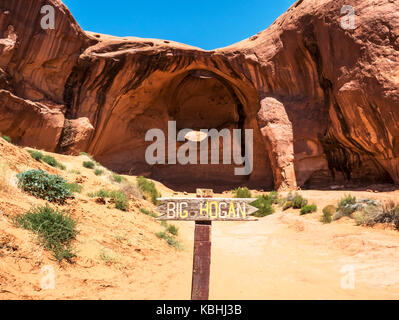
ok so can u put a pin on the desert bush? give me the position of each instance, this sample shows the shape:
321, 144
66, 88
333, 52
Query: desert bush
51, 161
264, 204
172, 229
148, 212
37, 155
287, 205
119, 197
386, 213
348, 205
275, 197
346, 200
117, 178
242, 192
309, 208
55, 228
148, 189
98, 172
328, 212
45, 186
88, 164
298, 202
169, 239
7, 138
74, 187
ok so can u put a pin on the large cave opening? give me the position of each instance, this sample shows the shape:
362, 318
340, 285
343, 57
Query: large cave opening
198, 100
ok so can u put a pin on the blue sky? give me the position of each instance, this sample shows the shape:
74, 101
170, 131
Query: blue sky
206, 24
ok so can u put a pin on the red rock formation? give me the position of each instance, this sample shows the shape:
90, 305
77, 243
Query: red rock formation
323, 101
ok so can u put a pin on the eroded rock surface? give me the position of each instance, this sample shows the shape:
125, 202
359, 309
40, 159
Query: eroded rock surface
323, 101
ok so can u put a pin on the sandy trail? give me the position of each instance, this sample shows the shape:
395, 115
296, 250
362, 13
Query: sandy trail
287, 256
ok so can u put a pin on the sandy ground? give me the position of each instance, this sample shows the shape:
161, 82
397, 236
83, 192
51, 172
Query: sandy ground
282, 256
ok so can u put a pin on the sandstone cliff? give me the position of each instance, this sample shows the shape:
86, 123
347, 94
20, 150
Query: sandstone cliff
323, 100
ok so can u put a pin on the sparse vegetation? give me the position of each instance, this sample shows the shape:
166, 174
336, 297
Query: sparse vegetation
7, 138
287, 205
51, 161
149, 213
328, 212
108, 256
37, 155
346, 200
55, 228
348, 205
89, 164
119, 197
74, 187
148, 189
299, 202
172, 229
42, 185
169, 239
371, 215
242, 192
309, 208
117, 178
264, 204
98, 172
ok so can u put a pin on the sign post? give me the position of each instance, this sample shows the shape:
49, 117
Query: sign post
203, 211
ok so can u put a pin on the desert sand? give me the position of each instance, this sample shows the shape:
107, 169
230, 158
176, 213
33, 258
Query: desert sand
281, 256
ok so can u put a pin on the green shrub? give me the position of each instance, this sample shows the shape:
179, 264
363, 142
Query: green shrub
149, 190
74, 187
37, 155
7, 138
98, 172
52, 162
242, 193
117, 178
264, 204
42, 185
347, 200
169, 239
309, 208
119, 197
56, 229
88, 164
172, 229
274, 195
328, 212
287, 205
148, 213
299, 202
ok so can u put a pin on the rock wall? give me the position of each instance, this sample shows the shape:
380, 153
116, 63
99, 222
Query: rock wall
323, 101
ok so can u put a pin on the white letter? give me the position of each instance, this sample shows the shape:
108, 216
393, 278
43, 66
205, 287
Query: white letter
247, 160
48, 21
171, 142
48, 281
189, 146
348, 281
158, 146
348, 21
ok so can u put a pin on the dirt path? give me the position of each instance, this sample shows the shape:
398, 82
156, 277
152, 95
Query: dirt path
287, 256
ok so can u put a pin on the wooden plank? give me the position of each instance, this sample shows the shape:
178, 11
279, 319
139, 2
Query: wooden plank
207, 209
201, 261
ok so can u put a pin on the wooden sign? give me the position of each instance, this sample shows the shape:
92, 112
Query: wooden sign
203, 210
207, 209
